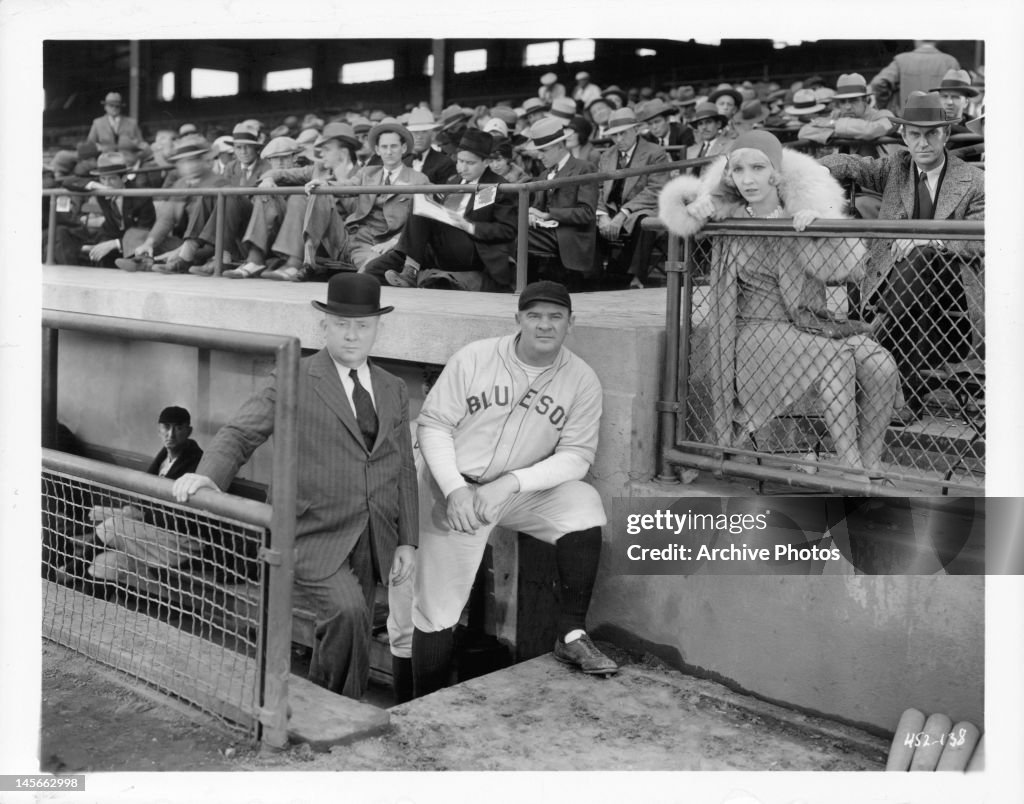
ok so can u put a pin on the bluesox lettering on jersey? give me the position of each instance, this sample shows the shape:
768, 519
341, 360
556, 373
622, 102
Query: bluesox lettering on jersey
500, 396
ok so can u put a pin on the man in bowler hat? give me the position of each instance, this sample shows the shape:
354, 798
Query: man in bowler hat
356, 499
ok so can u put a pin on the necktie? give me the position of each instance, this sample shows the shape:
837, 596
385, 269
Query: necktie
703, 149
925, 207
387, 178
366, 416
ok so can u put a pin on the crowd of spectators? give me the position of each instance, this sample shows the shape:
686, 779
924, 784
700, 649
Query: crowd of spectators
588, 236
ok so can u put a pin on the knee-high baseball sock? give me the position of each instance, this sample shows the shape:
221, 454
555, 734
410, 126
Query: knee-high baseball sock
577, 555
401, 678
431, 660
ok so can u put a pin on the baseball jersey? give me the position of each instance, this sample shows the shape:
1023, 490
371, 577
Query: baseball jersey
484, 418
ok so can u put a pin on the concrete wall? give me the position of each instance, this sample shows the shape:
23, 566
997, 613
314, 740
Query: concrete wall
858, 648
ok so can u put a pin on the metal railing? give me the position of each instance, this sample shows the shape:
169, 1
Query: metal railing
521, 189
68, 481
942, 451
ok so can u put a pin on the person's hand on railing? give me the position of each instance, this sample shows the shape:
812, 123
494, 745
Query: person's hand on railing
702, 208
802, 218
267, 182
460, 514
101, 512
312, 184
901, 249
402, 565
101, 250
187, 485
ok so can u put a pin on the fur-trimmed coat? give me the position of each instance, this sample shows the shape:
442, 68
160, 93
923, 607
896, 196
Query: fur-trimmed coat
797, 267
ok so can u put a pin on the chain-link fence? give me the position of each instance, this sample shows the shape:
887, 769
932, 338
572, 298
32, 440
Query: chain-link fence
794, 370
170, 595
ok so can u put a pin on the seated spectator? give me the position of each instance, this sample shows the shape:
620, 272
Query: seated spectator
471, 248
803, 108
657, 114
615, 97
562, 219
424, 157
185, 214
534, 109
126, 221
726, 99
550, 89
223, 154
772, 335
144, 172
112, 129
955, 92
775, 103
501, 163
623, 203
751, 115
853, 119
454, 121
578, 131
599, 110
71, 171
914, 286
563, 108
712, 138
131, 542
585, 91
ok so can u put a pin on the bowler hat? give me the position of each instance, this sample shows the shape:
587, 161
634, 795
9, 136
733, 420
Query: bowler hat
112, 98
174, 415
620, 120
477, 142
725, 89
563, 107
189, 146
392, 125
957, 81
546, 131
111, 163
545, 291
342, 132
280, 146
421, 119
707, 111
924, 110
352, 295
654, 108
851, 85
804, 102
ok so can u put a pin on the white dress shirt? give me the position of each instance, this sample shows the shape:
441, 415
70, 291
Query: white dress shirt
363, 373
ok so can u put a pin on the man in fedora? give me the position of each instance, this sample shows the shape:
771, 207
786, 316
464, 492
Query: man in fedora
562, 219
853, 118
955, 92
425, 157
661, 129
711, 138
913, 285
112, 128
356, 498
751, 115
182, 218
624, 202
472, 248
726, 99
126, 220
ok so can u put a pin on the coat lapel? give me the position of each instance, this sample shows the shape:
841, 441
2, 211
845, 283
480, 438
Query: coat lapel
955, 184
907, 189
385, 400
328, 387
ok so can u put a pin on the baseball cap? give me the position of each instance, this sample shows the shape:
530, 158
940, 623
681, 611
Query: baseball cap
174, 415
545, 291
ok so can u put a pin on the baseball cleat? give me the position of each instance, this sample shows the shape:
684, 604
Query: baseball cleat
584, 654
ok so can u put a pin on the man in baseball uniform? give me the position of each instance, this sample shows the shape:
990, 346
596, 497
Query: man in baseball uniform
506, 436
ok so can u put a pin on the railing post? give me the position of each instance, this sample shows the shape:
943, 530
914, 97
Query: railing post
49, 399
522, 240
51, 232
280, 574
669, 405
218, 236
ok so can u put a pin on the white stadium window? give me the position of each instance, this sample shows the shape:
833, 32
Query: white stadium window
646, 51
428, 65
470, 61
213, 83
166, 91
281, 80
540, 53
365, 72
577, 50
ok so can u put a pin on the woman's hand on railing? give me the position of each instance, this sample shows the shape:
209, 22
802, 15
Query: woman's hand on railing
187, 485
702, 208
803, 218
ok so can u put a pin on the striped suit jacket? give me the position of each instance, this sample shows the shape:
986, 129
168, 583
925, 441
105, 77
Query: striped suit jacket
343, 488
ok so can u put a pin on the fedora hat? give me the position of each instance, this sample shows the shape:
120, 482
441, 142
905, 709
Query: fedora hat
707, 110
187, 128
392, 125
280, 146
361, 125
453, 115
598, 99
751, 112
476, 142
342, 132
222, 145
281, 131
654, 108
924, 110
312, 121
582, 75
111, 163
804, 102
564, 108
112, 98
621, 120
614, 90
957, 81
725, 89
421, 119
546, 132
189, 146
851, 85
506, 113
531, 105
824, 94
245, 133
352, 296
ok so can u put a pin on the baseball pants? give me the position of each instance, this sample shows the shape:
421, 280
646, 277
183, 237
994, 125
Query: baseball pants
447, 561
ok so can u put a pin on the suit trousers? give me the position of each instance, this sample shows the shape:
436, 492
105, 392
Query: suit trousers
268, 212
635, 256
237, 212
432, 245
343, 606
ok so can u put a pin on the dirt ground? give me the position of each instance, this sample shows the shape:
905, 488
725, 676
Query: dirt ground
538, 715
